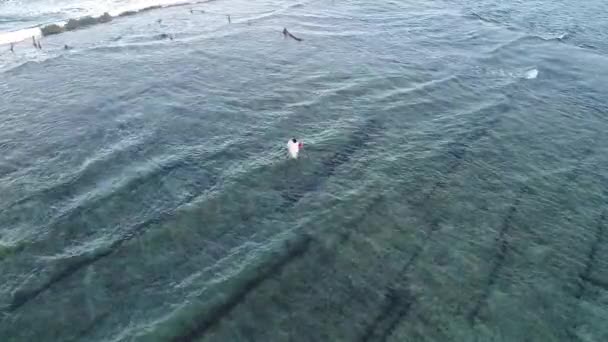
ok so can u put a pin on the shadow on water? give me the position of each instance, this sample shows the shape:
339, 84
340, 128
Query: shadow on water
304, 242
398, 299
586, 275
215, 313
292, 249
504, 244
502, 248
328, 167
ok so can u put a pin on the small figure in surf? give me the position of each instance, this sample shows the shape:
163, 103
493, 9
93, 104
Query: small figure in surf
229, 21
288, 34
36, 43
294, 147
13, 47
165, 36
66, 47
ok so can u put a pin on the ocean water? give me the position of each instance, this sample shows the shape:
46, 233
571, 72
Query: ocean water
452, 187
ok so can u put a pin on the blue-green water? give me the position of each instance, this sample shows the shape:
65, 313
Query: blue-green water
453, 185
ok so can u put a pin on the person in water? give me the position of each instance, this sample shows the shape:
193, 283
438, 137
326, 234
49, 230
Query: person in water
36, 43
13, 47
288, 34
294, 147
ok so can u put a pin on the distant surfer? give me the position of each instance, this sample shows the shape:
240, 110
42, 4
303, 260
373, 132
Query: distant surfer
294, 147
13, 47
288, 34
229, 21
66, 47
165, 36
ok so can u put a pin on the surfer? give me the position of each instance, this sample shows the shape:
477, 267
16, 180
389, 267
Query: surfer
288, 34
13, 47
294, 147
66, 47
229, 21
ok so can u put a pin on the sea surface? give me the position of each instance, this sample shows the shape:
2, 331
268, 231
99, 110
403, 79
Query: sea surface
453, 184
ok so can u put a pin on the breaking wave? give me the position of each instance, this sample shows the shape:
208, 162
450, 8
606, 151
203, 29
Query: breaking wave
95, 15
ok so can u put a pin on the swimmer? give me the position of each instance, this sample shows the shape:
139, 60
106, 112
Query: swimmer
36, 43
294, 147
288, 34
13, 47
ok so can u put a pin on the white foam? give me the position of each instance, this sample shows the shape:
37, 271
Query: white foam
135, 5
86, 8
531, 74
19, 35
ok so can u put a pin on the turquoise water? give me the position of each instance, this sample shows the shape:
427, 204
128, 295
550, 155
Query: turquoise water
452, 186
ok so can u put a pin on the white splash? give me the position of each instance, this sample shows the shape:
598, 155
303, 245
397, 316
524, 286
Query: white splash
94, 8
531, 74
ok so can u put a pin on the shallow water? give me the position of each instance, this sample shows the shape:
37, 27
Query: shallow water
452, 186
